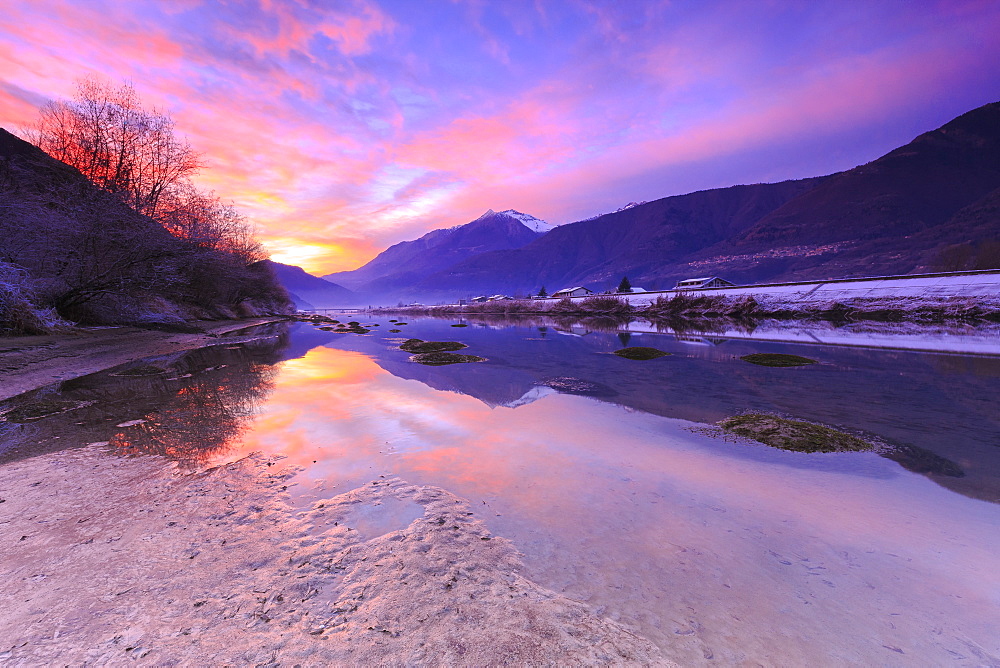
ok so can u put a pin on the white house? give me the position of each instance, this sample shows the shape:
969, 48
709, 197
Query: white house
702, 283
578, 291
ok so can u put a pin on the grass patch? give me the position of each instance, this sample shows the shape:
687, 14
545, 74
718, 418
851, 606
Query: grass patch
641, 353
779, 432
40, 409
419, 346
440, 359
777, 359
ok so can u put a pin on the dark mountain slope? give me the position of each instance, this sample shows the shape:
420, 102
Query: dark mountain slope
409, 262
969, 240
68, 247
883, 216
312, 291
637, 241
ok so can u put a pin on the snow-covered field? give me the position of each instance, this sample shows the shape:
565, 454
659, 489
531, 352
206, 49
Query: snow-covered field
923, 288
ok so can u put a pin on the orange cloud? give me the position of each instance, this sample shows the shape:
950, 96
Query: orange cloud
345, 129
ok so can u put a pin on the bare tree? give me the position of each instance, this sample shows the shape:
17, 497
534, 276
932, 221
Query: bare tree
106, 134
143, 244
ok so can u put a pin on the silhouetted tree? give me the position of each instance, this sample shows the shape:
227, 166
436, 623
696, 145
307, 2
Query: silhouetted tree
542, 292
624, 286
122, 148
132, 240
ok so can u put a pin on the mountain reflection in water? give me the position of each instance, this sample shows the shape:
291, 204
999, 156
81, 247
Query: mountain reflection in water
717, 551
938, 411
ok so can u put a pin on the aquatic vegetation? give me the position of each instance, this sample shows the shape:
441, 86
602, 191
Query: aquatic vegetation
796, 435
401, 323
641, 353
421, 346
442, 358
395, 331
777, 359
41, 409
460, 324
569, 385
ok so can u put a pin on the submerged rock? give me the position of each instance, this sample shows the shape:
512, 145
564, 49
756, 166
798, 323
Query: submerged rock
568, 385
641, 353
421, 346
440, 359
786, 434
777, 359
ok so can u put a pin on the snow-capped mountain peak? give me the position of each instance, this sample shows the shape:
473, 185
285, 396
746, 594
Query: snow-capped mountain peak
532, 223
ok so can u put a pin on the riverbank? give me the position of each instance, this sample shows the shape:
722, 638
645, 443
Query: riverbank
963, 297
113, 560
28, 362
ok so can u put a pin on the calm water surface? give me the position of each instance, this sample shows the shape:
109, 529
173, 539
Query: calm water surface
720, 552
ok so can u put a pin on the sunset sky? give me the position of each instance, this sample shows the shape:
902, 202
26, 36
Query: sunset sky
343, 126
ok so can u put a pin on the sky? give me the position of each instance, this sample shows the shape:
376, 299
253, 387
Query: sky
341, 127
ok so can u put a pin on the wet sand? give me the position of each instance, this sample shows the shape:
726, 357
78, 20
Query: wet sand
28, 362
115, 560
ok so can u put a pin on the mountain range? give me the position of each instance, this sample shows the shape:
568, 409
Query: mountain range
409, 263
933, 204
310, 292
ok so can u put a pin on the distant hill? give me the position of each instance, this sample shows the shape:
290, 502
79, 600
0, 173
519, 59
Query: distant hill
308, 291
636, 241
69, 248
931, 204
410, 262
888, 216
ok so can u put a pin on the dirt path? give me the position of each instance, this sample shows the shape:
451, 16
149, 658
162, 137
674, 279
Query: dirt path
28, 362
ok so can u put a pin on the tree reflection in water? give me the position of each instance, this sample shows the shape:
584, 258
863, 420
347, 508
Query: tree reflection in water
211, 403
188, 406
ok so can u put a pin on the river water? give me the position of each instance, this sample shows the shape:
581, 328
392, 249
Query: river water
720, 551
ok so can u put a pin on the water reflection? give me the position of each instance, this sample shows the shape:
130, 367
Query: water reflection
190, 407
936, 410
707, 547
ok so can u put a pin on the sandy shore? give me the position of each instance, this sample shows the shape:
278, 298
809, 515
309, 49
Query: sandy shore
28, 362
118, 560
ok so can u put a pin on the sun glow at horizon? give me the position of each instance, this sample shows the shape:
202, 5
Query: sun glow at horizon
342, 130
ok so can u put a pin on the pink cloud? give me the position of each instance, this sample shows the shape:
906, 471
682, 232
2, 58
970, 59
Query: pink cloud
348, 129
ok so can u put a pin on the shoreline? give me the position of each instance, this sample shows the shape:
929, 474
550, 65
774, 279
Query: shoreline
30, 362
217, 567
